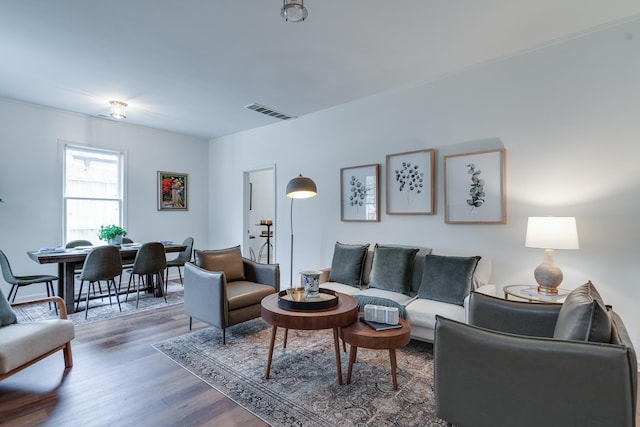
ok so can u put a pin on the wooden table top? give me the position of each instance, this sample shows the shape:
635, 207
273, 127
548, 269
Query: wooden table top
345, 313
360, 334
79, 255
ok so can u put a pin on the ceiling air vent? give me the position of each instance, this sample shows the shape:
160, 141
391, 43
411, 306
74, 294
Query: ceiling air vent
269, 111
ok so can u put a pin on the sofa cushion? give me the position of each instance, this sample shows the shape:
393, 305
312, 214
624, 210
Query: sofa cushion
339, 287
392, 268
422, 312
584, 316
447, 278
348, 264
7, 315
229, 261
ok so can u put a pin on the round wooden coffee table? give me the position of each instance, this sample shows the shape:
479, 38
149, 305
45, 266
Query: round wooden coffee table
359, 334
345, 313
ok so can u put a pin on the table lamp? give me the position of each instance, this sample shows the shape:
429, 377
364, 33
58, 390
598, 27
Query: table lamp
299, 187
550, 233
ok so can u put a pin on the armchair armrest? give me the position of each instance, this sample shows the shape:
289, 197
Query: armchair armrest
529, 379
205, 295
513, 317
62, 308
265, 274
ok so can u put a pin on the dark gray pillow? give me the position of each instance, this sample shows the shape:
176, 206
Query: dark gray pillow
7, 315
348, 264
392, 268
447, 278
583, 316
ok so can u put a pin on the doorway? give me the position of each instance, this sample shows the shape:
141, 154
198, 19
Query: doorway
259, 215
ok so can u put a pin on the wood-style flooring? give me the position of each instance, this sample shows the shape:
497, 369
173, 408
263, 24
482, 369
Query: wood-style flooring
118, 379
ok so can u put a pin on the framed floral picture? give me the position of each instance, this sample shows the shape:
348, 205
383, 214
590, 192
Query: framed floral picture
410, 183
474, 188
172, 191
359, 193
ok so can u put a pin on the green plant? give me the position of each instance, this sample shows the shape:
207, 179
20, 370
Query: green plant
109, 232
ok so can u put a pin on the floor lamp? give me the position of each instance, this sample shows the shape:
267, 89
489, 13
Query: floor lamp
299, 187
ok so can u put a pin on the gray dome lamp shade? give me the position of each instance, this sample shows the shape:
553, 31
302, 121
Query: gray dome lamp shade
300, 187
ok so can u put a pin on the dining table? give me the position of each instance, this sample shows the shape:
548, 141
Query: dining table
68, 259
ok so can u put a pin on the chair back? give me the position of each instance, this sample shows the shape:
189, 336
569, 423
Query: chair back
150, 259
6, 269
102, 263
76, 243
127, 240
185, 256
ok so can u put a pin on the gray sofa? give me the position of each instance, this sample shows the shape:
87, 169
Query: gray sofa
223, 289
419, 308
569, 365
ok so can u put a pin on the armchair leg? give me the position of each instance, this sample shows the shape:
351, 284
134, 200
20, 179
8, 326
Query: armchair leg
190, 322
68, 358
224, 336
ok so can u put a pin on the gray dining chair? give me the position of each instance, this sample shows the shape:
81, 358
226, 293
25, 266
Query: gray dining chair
150, 263
77, 243
17, 282
103, 263
179, 261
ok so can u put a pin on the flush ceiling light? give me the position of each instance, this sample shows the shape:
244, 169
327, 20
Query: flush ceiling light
293, 11
118, 109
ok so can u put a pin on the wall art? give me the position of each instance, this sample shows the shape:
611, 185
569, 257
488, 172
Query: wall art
359, 193
474, 188
410, 183
172, 191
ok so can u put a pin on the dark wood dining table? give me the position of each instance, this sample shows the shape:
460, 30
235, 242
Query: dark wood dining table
71, 257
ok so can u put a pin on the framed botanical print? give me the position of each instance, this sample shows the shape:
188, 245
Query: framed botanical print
474, 187
172, 191
410, 183
359, 193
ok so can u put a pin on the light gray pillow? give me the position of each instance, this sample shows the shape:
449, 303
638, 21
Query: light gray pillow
392, 268
584, 316
7, 315
348, 264
447, 278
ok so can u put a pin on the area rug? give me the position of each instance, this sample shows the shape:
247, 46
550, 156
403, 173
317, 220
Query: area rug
303, 389
99, 309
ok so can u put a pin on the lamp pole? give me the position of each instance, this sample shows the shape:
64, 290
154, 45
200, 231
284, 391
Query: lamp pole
299, 187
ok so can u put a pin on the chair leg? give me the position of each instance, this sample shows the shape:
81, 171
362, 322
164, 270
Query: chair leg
115, 291
126, 298
79, 295
14, 291
68, 357
224, 336
180, 274
138, 289
161, 285
190, 322
86, 309
50, 290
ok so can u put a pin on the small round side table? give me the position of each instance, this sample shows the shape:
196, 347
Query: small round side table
531, 294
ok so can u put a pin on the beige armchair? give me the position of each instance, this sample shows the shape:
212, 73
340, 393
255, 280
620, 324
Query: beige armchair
223, 289
25, 343
508, 367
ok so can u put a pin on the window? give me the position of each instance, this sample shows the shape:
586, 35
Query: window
92, 191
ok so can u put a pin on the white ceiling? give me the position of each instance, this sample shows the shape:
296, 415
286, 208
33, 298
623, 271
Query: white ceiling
191, 66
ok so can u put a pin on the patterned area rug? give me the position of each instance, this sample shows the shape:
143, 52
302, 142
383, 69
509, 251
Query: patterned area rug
100, 309
303, 389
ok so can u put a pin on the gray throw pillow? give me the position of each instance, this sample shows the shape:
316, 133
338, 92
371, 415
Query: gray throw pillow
7, 315
447, 278
348, 264
392, 268
229, 261
584, 316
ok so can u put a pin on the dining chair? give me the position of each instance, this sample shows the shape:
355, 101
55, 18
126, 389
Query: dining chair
19, 281
74, 244
102, 263
150, 262
179, 261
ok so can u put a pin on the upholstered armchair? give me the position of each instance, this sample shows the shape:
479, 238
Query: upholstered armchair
523, 364
223, 289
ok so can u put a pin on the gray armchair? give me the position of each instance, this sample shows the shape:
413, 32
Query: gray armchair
506, 369
223, 289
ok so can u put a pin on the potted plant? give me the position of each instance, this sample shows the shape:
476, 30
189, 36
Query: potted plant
112, 234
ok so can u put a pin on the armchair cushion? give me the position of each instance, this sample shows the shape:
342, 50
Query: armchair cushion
228, 261
7, 315
392, 268
348, 264
584, 316
447, 278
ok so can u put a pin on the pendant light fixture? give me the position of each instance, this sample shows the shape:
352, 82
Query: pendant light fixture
118, 110
293, 11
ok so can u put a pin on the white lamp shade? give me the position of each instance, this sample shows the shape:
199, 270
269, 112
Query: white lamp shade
552, 232
301, 187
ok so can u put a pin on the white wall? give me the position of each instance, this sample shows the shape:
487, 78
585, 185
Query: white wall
568, 116
31, 181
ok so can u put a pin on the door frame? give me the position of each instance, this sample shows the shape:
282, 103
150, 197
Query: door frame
246, 177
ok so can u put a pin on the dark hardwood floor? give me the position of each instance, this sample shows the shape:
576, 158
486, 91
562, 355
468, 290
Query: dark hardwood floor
119, 379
